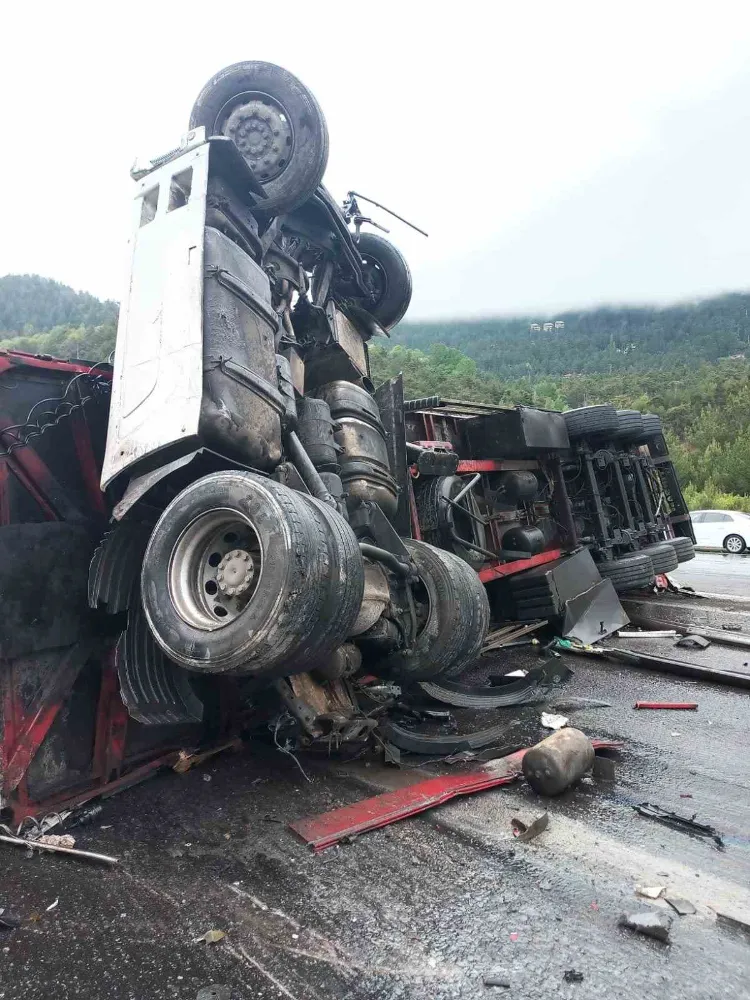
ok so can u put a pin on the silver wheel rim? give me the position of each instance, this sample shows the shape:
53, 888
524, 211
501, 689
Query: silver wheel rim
261, 128
734, 544
215, 569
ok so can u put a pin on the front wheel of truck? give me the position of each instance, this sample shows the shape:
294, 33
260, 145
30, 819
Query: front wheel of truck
243, 575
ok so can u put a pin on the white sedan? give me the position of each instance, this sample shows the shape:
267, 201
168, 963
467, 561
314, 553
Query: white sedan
721, 529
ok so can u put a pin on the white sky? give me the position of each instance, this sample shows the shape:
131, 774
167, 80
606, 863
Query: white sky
559, 154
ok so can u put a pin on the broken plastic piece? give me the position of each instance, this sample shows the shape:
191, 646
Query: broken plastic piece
8, 919
655, 925
650, 891
496, 981
681, 906
525, 833
571, 976
685, 823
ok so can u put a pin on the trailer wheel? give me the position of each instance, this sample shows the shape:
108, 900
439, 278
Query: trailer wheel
438, 519
453, 612
243, 575
275, 122
591, 420
629, 426
652, 426
663, 556
628, 573
683, 547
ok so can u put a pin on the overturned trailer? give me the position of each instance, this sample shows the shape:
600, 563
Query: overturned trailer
233, 524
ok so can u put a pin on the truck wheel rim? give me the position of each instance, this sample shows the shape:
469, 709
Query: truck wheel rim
215, 568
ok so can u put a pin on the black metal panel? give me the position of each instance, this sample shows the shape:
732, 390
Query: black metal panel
390, 399
515, 433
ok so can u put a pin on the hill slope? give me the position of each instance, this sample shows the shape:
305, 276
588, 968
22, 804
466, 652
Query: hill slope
32, 304
599, 340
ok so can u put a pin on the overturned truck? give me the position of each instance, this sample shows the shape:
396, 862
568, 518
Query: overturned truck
233, 523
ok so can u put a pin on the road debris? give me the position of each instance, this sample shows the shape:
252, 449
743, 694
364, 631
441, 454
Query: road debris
561, 759
550, 721
572, 976
574, 704
685, 823
683, 907
685, 706
655, 634
188, 759
650, 891
604, 768
214, 993
655, 925
70, 851
693, 642
497, 981
526, 833
52, 906
9, 920
210, 937
57, 840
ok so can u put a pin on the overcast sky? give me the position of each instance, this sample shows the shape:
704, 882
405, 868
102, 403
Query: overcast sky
559, 154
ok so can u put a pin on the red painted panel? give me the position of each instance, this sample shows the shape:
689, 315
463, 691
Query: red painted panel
496, 571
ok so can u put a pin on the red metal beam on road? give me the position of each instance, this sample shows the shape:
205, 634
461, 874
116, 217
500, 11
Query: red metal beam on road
496, 571
686, 706
12, 359
329, 828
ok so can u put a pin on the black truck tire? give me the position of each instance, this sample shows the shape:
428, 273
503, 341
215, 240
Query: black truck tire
457, 617
629, 426
598, 421
275, 122
683, 547
663, 556
652, 426
244, 575
388, 278
632, 572
437, 519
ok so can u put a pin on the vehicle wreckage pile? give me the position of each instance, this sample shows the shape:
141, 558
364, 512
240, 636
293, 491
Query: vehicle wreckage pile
233, 526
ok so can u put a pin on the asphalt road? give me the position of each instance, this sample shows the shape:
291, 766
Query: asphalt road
424, 909
716, 573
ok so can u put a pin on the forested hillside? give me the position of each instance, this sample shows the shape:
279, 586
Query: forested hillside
599, 340
681, 367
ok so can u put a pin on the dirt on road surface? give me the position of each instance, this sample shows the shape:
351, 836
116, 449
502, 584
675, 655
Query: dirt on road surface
425, 909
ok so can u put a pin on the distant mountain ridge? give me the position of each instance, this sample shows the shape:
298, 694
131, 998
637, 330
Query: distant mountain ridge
31, 304
611, 338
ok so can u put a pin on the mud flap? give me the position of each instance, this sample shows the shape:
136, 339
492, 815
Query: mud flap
155, 690
594, 614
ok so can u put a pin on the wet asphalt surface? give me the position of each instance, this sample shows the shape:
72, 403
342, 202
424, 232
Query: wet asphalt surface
428, 907
716, 573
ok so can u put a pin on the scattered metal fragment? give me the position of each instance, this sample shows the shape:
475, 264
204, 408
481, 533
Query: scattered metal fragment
650, 891
687, 706
655, 925
526, 833
210, 937
52, 906
496, 981
685, 823
187, 759
72, 852
551, 721
683, 907
655, 634
572, 976
693, 642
